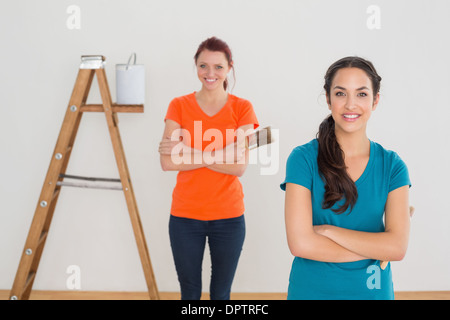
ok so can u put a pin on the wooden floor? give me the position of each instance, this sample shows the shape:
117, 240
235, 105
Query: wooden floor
101, 295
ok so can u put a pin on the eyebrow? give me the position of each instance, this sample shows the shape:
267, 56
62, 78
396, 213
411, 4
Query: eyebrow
342, 88
216, 64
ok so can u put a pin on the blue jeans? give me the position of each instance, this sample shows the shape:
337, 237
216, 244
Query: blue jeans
188, 239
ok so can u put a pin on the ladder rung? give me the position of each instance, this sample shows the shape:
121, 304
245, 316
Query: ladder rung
88, 185
127, 108
91, 182
68, 176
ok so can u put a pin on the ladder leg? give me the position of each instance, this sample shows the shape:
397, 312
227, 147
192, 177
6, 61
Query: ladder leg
127, 186
40, 225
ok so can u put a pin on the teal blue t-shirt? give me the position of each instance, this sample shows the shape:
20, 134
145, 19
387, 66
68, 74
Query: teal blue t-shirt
359, 280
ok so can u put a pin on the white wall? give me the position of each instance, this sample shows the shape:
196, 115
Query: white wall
282, 49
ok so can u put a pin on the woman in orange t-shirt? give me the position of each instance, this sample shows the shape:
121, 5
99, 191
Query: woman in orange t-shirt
204, 139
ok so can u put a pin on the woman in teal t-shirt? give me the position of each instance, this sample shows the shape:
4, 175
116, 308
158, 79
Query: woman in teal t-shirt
338, 188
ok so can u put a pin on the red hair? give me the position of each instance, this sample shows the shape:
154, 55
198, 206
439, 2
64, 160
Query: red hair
216, 45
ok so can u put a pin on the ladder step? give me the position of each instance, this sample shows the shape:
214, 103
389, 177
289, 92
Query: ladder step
90, 182
68, 176
88, 185
125, 108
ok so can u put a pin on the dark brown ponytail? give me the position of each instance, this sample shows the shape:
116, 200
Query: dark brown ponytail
330, 160
338, 184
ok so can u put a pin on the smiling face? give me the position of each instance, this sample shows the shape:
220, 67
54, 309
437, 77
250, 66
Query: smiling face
351, 100
212, 69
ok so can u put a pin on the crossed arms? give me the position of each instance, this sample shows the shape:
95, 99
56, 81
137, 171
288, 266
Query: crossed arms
334, 244
233, 159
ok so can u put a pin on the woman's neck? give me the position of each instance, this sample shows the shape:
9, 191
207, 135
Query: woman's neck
353, 144
212, 96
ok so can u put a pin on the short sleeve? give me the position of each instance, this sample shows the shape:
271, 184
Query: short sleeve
399, 174
299, 169
247, 115
174, 111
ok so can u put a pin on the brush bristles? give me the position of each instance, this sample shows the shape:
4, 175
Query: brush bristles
260, 138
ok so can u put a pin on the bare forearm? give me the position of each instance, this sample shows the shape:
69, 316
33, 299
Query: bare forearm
388, 245
168, 165
302, 238
321, 248
183, 158
236, 168
374, 245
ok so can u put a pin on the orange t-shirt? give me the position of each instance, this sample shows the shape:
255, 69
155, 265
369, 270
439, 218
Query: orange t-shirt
204, 194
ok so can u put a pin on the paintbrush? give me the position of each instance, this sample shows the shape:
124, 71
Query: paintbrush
259, 138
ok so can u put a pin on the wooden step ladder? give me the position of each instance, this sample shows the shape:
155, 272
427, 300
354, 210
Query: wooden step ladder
34, 245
